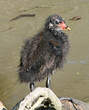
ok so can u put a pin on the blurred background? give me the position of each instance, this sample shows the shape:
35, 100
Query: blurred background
73, 79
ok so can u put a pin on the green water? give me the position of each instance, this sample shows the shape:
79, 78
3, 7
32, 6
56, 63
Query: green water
73, 80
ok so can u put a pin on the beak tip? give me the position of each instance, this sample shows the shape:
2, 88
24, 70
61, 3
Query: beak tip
68, 28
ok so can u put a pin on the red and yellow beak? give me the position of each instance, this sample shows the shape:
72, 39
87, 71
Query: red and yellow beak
64, 27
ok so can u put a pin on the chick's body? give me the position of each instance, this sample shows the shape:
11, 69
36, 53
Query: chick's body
41, 55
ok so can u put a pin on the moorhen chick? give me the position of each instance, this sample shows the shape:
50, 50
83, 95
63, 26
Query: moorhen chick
45, 52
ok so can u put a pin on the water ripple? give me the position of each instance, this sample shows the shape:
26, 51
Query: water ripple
78, 62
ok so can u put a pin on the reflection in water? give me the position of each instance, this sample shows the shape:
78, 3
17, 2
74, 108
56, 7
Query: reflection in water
78, 62
75, 75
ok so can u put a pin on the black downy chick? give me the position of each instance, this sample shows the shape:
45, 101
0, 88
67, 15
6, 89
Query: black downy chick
45, 52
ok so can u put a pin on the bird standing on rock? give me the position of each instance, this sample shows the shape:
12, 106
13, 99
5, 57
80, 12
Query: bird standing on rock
45, 52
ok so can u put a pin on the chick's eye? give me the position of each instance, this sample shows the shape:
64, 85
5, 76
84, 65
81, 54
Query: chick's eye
57, 22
